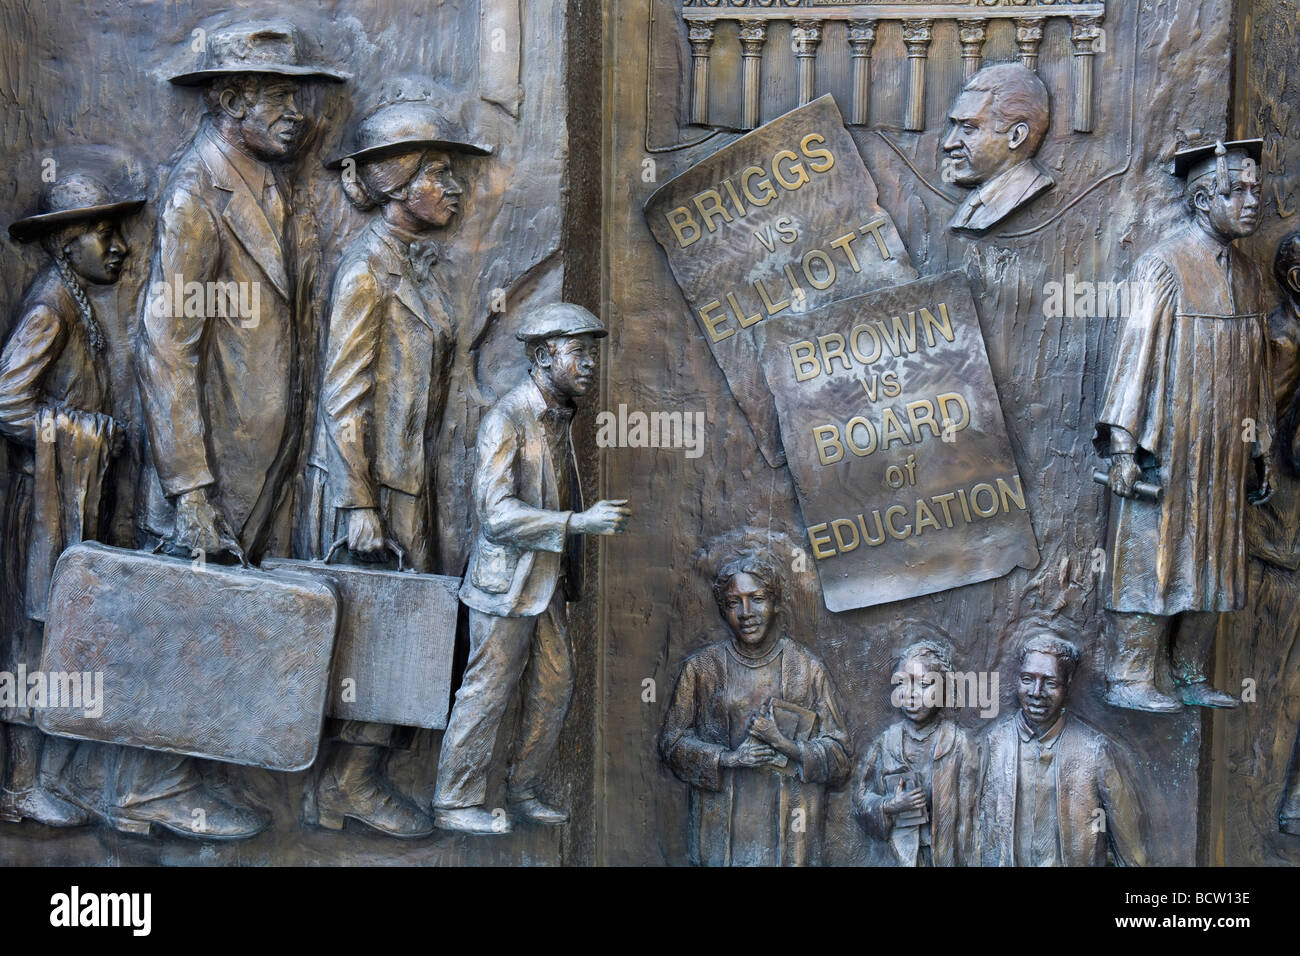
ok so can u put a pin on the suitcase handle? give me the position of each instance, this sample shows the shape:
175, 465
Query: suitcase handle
162, 548
389, 543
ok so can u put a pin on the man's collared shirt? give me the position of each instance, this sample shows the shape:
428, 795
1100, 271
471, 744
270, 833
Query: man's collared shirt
556, 418
259, 178
999, 197
1038, 835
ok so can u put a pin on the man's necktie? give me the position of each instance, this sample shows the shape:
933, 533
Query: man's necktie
1044, 808
274, 205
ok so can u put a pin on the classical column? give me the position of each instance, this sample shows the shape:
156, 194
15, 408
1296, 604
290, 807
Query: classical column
805, 36
753, 34
916, 37
701, 39
1029, 34
972, 34
1087, 30
862, 34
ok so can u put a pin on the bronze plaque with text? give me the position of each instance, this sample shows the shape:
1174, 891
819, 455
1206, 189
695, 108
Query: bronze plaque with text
779, 222
897, 444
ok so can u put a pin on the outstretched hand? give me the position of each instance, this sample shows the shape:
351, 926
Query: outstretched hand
604, 517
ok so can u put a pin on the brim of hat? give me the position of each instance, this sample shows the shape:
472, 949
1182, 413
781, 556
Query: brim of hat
409, 146
1254, 148
305, 72
530, 337
26, 229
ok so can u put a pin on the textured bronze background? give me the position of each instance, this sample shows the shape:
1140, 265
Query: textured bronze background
396, 640
196, 660
931, 498
1113, 196
764, 236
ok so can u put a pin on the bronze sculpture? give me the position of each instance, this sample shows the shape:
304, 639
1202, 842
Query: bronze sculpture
996, 126
388, 354
1188, 408
223, 394
1054, 791
55, 408
915, 786
525, 568
224, 390
556, 214
756, 729
1273, 528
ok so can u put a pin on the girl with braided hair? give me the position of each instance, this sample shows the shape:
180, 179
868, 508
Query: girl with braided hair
54, 409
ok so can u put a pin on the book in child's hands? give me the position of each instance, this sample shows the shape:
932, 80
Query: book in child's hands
911, 781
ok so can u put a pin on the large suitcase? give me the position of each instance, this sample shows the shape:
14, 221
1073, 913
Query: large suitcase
221, 662
396, 641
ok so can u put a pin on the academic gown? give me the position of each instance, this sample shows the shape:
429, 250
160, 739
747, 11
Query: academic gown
1189, 381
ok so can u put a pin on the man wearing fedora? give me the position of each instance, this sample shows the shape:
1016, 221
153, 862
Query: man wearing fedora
224, 391
1188, 407
223, 395
525, 565
388, 360
56, 410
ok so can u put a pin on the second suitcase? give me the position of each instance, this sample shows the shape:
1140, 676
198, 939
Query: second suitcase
397, 636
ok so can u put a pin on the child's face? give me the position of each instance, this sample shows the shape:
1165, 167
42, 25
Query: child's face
98, 252
747, 607
916, 684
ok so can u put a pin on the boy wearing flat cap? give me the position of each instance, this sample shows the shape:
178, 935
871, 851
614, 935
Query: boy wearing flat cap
525, 566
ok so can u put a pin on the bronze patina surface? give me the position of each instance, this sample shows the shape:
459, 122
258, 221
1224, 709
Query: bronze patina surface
395, 644
681, 418
195, 662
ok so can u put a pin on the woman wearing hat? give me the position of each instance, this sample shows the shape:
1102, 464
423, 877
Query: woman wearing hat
387, 361
54, 407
